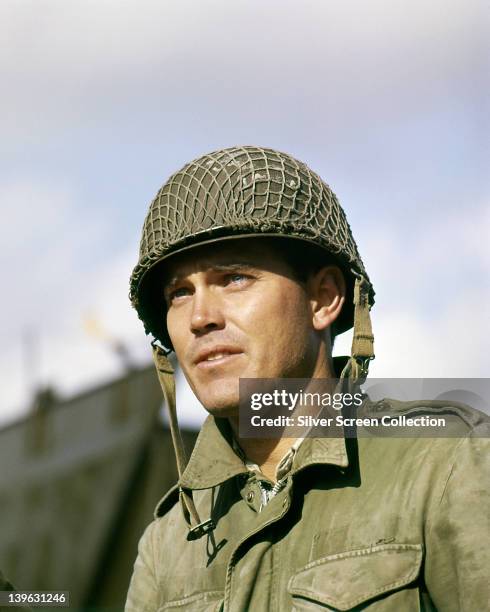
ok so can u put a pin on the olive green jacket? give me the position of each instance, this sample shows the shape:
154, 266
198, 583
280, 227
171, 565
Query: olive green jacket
370, 523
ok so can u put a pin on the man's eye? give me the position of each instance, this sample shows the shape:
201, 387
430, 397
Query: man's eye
177, 293
236, 277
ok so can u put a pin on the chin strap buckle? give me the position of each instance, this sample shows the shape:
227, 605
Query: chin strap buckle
199, 530
156, 344
363, 368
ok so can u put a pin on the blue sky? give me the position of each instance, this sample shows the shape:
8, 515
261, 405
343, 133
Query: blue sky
102, 100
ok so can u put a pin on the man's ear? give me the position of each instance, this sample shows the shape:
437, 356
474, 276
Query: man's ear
326, 291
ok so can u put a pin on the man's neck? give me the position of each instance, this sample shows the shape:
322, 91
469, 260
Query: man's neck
265, 452
268, 452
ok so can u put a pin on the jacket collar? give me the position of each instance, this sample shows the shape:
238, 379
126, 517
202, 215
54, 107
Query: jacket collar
213, 460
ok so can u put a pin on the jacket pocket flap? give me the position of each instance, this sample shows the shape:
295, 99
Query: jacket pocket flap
347, 579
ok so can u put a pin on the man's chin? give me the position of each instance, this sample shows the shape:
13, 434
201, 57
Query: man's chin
224, 411
221, 399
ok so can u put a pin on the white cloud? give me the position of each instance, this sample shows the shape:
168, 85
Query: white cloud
69, 357
430, 318
449, 346
46, 238
54, 276
114, 33
67, 63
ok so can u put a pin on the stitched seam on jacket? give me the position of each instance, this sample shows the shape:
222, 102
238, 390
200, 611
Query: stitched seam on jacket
309, 594
362, 552
364, 597
191, 598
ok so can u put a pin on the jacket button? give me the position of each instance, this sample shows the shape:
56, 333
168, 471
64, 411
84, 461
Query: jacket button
250, 496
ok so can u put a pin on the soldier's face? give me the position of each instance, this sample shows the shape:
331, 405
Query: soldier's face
235, 310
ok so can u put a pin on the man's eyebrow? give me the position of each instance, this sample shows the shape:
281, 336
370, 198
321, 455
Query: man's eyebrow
218, 267
232, 267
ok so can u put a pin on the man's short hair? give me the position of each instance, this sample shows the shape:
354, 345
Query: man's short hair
305, 260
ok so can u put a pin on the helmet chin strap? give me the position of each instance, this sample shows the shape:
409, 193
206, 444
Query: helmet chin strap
197, 528
362, 351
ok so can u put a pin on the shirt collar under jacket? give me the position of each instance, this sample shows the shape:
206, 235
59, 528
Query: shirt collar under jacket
283, 467
214, 461
267, 489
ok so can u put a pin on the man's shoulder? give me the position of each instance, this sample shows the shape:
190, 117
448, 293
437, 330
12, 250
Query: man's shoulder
168, 508
430, 418
167, 523
167, 502
423, 437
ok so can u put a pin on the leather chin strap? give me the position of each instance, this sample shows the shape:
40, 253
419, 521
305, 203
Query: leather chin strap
197, 528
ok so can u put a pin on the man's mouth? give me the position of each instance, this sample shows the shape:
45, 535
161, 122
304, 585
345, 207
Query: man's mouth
217, 354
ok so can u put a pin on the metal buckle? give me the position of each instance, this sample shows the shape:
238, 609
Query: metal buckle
199, 530
157, 344
363, 365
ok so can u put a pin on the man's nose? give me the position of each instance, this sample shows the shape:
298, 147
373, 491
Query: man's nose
207, 312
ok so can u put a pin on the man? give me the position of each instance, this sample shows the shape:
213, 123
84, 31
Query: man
247, 269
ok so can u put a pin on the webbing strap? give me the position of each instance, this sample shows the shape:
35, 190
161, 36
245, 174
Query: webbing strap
167, 382
362, 351
363, 339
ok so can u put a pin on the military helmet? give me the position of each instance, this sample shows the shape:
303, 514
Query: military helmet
237, 192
